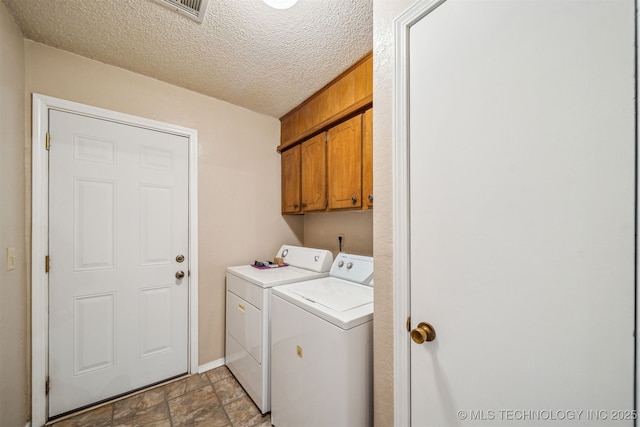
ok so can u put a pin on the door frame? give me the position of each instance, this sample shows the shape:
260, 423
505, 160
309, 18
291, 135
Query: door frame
41, 104
401, 217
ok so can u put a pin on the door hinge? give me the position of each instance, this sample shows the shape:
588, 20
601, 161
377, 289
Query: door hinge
46, 264
47, 386
408, 324
47, 139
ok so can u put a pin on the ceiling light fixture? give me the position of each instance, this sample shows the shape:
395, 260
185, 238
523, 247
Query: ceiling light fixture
281, 4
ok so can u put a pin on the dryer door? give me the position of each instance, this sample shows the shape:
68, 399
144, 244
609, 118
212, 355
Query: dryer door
244, 324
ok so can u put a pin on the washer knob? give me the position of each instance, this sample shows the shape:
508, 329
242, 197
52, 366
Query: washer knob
340, 264
349, 265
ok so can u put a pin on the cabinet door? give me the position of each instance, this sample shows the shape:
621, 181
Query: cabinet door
367, 159
290, 164
314, 171
344, 164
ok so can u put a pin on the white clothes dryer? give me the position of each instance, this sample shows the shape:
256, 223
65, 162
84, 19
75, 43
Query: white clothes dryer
248, 313
322, 348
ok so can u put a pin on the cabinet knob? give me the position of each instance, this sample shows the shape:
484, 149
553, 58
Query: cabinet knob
370, 197
354, 199
295, 206
304, 205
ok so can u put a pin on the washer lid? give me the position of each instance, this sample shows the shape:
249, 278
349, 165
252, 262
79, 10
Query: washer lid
341, 302
336, 294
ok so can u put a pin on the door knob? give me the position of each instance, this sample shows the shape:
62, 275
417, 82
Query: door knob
179, 274
424, 332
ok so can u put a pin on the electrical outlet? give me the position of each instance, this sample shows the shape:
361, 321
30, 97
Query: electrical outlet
11, 259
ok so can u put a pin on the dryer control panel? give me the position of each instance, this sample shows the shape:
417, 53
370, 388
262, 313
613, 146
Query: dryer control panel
318, 260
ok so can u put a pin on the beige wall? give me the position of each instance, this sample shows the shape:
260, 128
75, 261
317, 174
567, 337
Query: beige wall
384, 12
14, 388
239, 168
321, 231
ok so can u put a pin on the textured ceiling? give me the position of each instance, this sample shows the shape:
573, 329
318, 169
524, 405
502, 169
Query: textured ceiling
244, 52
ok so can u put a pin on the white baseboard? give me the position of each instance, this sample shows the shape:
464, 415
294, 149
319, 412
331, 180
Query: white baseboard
211, 365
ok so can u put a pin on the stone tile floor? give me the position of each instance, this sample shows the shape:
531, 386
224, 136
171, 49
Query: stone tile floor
211, 399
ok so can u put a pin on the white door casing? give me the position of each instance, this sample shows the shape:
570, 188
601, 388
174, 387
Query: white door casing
514, 160
156, 289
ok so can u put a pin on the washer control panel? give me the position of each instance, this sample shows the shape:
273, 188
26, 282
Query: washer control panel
355, 268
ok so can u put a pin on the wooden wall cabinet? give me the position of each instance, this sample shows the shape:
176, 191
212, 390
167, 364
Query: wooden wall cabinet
313, 174
304, 171
290, 166
332, 170
344, 164
327, 146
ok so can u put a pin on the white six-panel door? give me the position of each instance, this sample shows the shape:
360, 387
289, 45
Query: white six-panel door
522, 174
118, 220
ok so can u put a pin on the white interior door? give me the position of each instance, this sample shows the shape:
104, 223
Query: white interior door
118, 315
522, 189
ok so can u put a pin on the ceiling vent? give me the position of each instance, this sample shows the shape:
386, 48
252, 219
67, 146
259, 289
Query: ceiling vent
194, 9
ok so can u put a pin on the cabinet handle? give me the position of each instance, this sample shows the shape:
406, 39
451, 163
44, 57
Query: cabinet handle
295, 206
354, 200
370, 197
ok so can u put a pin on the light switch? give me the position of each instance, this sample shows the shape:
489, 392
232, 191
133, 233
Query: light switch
11, 258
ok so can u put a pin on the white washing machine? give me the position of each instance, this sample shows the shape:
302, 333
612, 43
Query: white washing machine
322, 348
247, 344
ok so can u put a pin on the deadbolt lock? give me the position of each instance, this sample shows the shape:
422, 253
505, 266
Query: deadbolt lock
180, 258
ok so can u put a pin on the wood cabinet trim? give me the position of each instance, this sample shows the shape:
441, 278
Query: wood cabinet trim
346, 114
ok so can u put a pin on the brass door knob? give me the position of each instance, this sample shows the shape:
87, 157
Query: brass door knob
424, 332
179, 274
